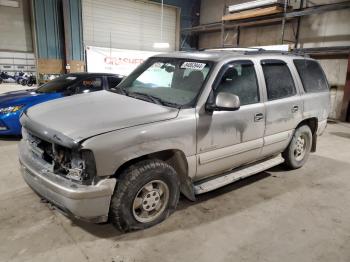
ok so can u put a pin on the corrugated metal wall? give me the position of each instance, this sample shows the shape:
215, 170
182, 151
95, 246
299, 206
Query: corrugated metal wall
128, 25
49, 29
15, 30
50, 32
49, 26
73, 29
58, 35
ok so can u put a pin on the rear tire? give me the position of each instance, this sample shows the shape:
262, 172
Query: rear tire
146, 194
299, 148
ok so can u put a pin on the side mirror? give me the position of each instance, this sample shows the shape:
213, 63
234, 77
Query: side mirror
225, 102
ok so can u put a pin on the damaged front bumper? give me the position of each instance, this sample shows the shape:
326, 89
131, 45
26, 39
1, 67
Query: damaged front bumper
86, 202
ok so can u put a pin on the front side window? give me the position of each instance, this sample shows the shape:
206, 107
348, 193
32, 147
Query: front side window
311, 75
113, 81
169, 80
278, 79
90, 84
240, 79
59, 84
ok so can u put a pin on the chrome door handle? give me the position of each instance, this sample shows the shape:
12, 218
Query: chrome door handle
295, 109
258, 117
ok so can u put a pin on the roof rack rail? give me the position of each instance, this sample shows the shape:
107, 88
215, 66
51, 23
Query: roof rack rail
233, 49
264, 51
256, 50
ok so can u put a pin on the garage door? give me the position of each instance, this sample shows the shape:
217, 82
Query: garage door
127, 24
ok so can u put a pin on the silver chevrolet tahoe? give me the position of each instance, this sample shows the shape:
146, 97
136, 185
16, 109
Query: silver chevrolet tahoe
185, 122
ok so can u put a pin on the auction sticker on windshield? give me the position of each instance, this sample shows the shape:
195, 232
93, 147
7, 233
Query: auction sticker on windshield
193, 65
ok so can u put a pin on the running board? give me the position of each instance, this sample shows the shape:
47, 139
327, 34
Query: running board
239, 173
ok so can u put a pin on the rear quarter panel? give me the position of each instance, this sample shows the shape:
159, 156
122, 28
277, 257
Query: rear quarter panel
315, 104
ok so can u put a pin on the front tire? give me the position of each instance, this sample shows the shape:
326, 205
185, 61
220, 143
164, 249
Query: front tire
146, 194
299, 148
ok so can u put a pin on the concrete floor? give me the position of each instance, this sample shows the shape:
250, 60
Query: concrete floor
277, 215
5, 87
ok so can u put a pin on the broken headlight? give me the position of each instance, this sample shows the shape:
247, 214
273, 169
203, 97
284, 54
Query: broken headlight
79, 166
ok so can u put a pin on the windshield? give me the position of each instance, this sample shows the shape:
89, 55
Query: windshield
171, 81
59, 84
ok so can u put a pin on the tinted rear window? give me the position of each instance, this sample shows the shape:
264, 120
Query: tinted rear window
278, 79
311, 75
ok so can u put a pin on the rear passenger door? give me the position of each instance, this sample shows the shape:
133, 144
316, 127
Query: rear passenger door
283, 105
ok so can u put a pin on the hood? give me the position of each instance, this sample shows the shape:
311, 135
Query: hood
81, 116
23, 97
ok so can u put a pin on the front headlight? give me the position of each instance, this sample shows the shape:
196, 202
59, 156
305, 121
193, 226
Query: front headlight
10, 109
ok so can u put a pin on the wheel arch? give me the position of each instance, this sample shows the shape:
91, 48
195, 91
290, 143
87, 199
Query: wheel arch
173, 157
312, 123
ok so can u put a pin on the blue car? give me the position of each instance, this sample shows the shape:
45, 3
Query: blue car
12, 104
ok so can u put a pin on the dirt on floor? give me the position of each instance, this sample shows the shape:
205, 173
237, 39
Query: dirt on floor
277, 215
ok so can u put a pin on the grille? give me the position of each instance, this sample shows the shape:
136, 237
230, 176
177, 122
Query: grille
40, 148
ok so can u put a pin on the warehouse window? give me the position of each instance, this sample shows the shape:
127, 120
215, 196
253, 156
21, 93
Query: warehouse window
311, 75
278, 79
240, 79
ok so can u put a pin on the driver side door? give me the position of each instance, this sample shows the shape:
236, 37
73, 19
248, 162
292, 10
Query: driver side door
228, 139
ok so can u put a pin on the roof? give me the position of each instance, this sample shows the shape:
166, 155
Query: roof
199, 55
218, 55
85, 74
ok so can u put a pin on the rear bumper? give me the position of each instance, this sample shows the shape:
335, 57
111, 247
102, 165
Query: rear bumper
321, 127
85, 202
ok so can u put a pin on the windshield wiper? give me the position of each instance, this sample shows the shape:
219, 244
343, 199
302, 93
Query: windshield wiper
120, 90
153, 99
150, 98
142, 96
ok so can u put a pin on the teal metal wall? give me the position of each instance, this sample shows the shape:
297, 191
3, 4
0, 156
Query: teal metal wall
53, 34
73, 29
49, 28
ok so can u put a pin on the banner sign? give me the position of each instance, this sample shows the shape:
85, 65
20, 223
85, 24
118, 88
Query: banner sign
112, 60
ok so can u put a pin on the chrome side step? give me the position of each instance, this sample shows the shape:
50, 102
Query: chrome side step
239, 173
